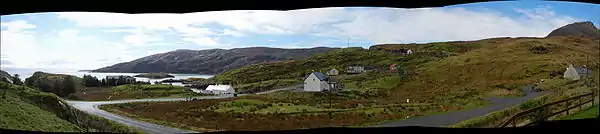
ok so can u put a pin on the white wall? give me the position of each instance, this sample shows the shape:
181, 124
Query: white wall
325, 85
312, 83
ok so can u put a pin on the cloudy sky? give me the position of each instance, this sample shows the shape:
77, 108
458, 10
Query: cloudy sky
79, 40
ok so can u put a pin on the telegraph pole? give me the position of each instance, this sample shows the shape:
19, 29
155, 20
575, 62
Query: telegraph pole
348, 42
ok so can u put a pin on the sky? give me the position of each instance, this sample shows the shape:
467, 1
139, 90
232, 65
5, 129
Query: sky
91, 40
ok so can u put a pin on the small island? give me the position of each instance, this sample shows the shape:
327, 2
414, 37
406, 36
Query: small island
155, 75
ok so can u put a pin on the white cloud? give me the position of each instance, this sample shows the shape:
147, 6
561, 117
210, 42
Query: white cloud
64, 49
444, 24
232, 33
379, 25
16, 25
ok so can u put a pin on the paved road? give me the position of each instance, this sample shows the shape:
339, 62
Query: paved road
91, 107
450, 118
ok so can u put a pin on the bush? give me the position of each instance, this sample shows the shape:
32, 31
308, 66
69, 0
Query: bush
536, 115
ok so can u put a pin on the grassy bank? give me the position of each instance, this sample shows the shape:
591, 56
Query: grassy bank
591, 112
22, 113
23, 108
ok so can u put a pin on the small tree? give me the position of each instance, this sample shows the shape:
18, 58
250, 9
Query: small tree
68, 86
16, 80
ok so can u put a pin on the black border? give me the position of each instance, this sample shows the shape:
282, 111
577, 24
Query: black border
187, 6
574, 126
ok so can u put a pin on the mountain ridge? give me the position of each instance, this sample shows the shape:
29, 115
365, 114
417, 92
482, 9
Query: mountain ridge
584, 28
210, 61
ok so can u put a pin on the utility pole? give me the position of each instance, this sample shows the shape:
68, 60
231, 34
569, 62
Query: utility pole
348, 42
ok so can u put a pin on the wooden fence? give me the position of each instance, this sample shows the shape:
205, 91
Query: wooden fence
546, 111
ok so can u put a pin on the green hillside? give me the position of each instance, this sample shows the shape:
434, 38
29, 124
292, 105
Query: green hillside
20, 109
466, 69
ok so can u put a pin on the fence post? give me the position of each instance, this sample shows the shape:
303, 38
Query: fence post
514, 122
579, 102
567, 107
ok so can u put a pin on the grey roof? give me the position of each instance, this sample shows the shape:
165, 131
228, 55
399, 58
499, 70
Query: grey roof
320, 76
583, 70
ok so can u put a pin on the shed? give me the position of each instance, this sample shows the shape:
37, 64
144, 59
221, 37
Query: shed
333, 72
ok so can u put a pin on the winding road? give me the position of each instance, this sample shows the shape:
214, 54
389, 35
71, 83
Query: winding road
92, 107
498, 103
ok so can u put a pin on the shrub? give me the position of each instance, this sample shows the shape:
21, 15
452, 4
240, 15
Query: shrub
535, 115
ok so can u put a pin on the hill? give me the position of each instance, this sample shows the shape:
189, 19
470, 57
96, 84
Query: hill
5, 76
586, 29
21, 109
47, 82
211, 61
506, 64
467, 68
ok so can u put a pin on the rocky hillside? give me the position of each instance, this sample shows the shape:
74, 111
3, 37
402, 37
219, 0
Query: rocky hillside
5, 76
586, 29
52, 83
211, 61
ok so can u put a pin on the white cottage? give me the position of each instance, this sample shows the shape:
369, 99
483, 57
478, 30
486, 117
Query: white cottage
220, 89
571, 73
316, 82
333, 72
409, 51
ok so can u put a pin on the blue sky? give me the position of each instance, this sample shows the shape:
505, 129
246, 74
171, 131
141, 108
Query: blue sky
80, 40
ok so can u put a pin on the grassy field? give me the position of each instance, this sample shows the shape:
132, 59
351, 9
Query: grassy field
266, 85
244, 114
132, 91
439, 77
591, 112
19, 111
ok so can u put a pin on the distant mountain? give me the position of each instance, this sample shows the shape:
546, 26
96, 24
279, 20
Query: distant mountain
210, 61
586, 29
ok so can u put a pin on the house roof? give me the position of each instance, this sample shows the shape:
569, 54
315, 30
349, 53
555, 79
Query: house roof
219, 87
320, 76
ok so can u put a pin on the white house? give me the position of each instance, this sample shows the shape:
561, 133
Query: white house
220, 89
316, 82
571, 73
409, 51
333, 72
356, 69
